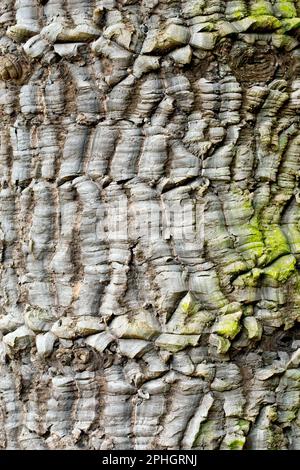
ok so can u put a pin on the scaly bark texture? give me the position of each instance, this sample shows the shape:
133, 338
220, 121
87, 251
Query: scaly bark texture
149, 224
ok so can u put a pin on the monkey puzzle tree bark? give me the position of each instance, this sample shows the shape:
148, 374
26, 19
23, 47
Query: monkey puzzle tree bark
149, 216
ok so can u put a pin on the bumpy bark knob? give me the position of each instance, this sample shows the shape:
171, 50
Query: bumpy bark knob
253, 64
12, 67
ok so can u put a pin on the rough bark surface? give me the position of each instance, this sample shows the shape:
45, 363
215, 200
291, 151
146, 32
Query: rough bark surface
149, 224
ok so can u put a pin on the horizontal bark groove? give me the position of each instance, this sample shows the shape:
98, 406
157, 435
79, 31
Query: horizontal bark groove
149, 224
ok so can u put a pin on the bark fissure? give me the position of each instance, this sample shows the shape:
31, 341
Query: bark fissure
149, 224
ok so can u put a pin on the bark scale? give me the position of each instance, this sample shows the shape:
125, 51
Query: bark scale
149, 224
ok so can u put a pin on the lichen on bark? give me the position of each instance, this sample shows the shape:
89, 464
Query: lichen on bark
149, 224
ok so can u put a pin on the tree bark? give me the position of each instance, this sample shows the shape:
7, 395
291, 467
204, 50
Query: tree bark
149, 224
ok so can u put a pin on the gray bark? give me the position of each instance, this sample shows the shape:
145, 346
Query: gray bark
149, 224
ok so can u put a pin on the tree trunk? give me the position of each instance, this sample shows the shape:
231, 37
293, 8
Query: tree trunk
150, 232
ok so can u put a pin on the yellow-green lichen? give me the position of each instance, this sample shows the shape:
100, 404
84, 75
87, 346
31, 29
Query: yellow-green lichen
209, 433
275, 242
281, 269
208, 26
189, 305
253, 245
188, 319
260, 7
194, 325
289, 415
286, 9
228, 325
237, 444
290, 23
244, 425
249, 279
248, 310
238, 14
265, 23
283, 40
